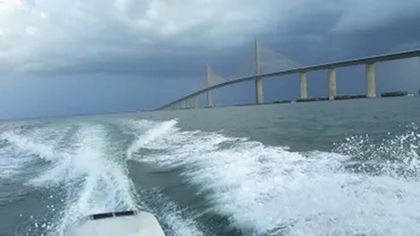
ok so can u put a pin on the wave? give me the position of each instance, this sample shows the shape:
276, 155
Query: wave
82, 164
394, 155
17, 149
174, 220
266, 190
364, 186
86, 171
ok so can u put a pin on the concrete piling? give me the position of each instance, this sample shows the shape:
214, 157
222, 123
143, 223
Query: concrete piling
370, 80
332, 84
191, 100
196, 102
303, 85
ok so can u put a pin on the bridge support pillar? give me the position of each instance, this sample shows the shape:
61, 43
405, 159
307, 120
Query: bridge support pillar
197, 102
259, 89
332, 84
303, 85
210, 92
210, 99
190, 103
370, 80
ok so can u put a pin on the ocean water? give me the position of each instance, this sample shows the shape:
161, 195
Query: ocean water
325, 168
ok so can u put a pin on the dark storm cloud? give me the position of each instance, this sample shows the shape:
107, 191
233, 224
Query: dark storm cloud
165, 41
152, 37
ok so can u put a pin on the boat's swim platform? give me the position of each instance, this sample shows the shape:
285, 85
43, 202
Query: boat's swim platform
126, 223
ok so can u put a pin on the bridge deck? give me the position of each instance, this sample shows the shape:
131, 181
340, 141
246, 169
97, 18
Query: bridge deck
337, 64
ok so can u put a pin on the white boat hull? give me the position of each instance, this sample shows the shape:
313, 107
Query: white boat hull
121, 224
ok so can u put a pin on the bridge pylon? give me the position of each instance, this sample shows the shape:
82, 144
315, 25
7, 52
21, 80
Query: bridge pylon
213, 81
303, 85
332, 84
259, 87
209, 77
370, 80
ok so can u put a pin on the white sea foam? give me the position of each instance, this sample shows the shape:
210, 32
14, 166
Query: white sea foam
149, 131
176, 221
10, 165
16, 151
395, 155
95, 181
178, 225
168, 213
105, 186
263, 190
270, 191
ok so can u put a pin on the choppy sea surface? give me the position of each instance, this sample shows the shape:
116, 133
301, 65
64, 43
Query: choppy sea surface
325, 168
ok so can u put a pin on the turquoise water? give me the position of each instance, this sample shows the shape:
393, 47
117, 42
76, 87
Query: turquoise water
325, 168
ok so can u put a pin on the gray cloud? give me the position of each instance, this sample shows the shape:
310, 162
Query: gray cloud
166, 44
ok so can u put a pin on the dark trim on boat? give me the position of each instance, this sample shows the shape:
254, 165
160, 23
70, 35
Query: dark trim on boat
111, 214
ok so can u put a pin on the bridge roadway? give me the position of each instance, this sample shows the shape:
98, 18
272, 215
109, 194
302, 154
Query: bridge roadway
368, 61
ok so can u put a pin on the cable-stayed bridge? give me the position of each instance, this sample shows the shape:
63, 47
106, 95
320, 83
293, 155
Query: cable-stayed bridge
285, 66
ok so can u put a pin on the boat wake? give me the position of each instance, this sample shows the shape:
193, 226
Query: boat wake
270, 191
362, 187
77, 162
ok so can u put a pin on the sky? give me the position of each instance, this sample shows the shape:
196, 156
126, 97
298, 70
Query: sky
62, 57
